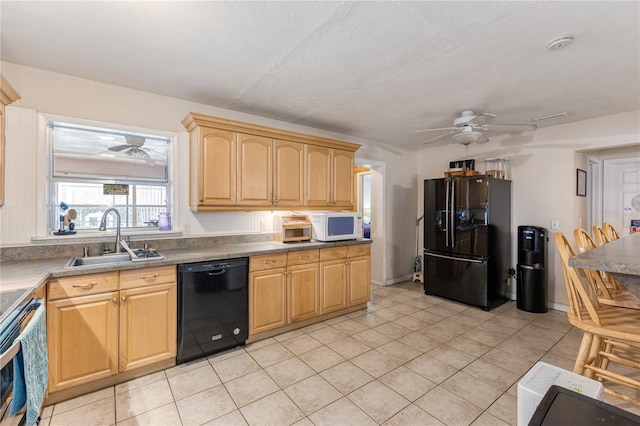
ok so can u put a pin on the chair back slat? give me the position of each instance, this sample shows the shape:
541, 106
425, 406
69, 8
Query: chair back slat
586, 243
601, 237
584, 240
580, 295
610, 231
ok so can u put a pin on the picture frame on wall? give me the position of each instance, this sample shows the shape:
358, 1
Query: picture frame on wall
581, 183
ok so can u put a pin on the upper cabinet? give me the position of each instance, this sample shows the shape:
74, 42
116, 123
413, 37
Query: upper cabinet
7, 96
241, 166
329, 177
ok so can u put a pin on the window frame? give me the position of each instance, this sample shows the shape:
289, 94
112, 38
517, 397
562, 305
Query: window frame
51, 212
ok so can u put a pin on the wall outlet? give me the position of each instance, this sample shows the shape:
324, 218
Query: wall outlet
555, 225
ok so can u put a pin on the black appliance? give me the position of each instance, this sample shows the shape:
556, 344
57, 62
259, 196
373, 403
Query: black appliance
467, 242
213, 307
532, 276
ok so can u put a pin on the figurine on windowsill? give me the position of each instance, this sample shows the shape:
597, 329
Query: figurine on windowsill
65, 220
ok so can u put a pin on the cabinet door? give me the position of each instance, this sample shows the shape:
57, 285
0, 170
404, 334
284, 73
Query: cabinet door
359, 279
267, 300
304, 291
317, 179
82, 339
147, 325
216, 177
333, 285
288, 181
342, 178
255, 173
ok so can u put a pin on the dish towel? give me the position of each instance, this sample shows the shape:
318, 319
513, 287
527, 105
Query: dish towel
31, 368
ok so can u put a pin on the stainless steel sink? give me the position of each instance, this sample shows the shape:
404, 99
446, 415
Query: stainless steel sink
139, 255
98, 260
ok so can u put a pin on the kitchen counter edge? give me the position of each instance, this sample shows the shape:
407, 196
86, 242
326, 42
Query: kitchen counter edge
27, 274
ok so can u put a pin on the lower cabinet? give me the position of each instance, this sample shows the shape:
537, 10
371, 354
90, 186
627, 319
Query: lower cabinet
82, 334
284, 289
95, 330
267, 300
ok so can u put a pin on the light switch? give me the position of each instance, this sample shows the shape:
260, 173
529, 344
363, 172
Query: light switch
555, 225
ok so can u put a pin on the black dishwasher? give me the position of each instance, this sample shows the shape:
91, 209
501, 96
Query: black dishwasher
213, 305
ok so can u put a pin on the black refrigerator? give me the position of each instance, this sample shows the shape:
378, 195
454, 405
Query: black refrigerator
467, 241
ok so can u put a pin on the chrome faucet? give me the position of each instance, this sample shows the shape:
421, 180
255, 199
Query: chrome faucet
103, 226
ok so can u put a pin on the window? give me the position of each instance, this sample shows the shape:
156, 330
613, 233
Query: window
93, 169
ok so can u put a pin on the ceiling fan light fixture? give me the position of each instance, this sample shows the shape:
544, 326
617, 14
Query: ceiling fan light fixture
466, 138
560, 42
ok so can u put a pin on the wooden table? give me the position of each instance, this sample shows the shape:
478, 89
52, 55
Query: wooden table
621, 258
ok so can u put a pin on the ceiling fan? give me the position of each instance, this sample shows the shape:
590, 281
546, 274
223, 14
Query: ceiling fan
134, 148
465, 131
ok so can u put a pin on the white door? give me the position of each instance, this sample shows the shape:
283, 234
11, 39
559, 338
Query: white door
621, 193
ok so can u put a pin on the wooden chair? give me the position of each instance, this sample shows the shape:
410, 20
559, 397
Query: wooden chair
610, 231
601, 237
586, 243
611, 334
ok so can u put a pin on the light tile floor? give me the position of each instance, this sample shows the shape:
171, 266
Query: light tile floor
408, 359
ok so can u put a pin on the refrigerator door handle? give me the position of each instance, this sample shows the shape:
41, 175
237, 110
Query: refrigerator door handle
527, 267
446, 214
453, 212
442, 256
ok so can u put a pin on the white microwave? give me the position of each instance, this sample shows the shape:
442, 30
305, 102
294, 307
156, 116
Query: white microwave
335, 226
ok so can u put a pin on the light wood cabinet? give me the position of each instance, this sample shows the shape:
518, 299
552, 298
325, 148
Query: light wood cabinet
333, 285
235, 165
303, 285
7, 96
359, 271
288, 173
147, 325
329, 177
212, 171
82, 339
267, 300
255, 170
99, 325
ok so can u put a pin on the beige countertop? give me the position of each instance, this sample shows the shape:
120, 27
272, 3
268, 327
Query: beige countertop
26, 274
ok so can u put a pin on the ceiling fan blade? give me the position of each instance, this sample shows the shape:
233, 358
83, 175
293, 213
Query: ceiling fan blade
147, 158
508, 127
119, 148
439, 137
431, 130
487, 114
482, 139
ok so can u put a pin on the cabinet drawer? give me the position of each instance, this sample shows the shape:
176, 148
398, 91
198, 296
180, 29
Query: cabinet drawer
302, 257
359, 250
82, 285
259, 263
147, 276
333, 253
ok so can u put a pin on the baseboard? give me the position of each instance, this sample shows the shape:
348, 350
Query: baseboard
558, 306
398, 280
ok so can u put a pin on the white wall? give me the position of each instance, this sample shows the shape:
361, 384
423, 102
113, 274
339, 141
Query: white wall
543, 173
45, 92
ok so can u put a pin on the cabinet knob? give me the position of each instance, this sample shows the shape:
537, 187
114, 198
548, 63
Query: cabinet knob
303, 257
335, 253
123, 298
268, 262
347, 263
115, 300
85, 286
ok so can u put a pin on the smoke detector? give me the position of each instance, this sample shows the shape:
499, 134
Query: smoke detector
560, 42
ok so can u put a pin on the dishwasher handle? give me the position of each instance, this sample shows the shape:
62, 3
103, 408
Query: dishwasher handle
216, 272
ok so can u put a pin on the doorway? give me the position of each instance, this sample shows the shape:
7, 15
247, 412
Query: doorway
369, 197
621, 193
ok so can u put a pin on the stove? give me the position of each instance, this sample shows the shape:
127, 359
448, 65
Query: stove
11, 299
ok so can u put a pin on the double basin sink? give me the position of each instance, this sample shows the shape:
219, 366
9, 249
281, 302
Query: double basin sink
139, 255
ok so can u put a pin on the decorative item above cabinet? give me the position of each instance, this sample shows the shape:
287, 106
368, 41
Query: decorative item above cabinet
242, 166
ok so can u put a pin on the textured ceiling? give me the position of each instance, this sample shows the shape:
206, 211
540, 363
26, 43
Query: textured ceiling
375, 70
